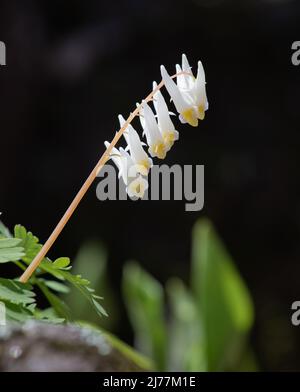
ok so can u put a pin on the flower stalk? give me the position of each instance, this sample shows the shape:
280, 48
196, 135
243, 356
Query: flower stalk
167, 139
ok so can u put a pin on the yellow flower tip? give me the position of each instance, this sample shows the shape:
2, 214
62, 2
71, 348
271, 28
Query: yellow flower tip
143, 167
169, 139
201, 112
159, 150
190, 117
137, 188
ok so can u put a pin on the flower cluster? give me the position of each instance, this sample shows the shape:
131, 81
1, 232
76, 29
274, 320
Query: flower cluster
188, 94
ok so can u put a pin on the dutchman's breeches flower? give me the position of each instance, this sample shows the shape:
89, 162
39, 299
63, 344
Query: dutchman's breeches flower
135, 146
155, 141
136, 184
133, 163
165, 124
189, 98
189, 94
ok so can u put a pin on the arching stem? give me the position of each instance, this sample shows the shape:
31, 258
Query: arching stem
88, 182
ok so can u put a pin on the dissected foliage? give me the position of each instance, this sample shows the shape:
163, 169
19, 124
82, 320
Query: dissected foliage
51, 278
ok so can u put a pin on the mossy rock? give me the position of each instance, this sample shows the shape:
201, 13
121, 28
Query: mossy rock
43, 347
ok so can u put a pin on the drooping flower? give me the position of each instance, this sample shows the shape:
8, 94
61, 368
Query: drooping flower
189, 98
122, 160
155, 141
136, 184
165, 124
137, 187
137, 152
183, 103
189, 94
194, 87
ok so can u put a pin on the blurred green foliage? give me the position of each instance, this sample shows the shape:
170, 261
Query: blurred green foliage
203, 327
200, 327
145, 303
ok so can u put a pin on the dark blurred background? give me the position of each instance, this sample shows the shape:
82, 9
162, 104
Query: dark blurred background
72, 67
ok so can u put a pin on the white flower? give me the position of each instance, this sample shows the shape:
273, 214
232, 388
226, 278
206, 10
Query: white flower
182, 102
165, 124
189, 97
189, 94
122, 160
155, 141
137, 152
193, 87
136, 185
184, 82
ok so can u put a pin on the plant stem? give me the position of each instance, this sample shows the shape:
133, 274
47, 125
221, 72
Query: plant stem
72, 207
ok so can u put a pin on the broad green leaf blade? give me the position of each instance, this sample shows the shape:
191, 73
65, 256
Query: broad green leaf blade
145, 303
16, 292
186, 348
9, 251
223, 300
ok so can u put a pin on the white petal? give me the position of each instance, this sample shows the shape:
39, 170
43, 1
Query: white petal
190, 80
115, 155
164, 121
179, 102
181, 80
137, 187
126, 164
199, 89
151, 126
122, 122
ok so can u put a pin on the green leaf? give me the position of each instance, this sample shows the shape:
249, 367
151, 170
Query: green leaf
47, 266
223, 301
145, 303
9, 242
59, 306
48, 315
9, 251
4, 231
62, 262
59, 269
78, 282
17, 312
16, 292
29, 242
83, 286
186, 348
92, 259
56, 286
